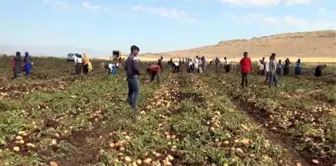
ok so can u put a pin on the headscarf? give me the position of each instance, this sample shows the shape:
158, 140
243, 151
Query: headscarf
18, 53
86, 59
26, 54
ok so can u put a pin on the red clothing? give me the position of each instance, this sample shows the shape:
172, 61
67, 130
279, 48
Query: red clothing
245, 65
155, 68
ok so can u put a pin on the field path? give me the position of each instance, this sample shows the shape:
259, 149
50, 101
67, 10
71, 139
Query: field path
255, 119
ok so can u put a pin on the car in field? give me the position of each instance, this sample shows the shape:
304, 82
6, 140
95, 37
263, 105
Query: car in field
71, 57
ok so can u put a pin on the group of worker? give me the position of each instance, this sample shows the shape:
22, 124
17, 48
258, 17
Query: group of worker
82, 64
272, 69
20, 64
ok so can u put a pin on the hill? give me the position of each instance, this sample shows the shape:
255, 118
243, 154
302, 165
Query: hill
316, 45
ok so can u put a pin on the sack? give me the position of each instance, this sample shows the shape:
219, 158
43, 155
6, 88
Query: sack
90, 66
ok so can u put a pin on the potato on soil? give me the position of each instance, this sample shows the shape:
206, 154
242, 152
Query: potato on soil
16, 148
53, 163
147, 161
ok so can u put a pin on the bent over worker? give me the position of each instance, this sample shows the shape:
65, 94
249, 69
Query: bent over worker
318, 70
153, 71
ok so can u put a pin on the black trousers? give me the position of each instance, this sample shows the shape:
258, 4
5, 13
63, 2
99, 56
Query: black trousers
227, 68
176, 68
244, 80
153, 75
79, 67
86, 69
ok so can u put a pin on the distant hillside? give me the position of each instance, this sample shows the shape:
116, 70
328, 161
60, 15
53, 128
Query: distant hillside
316, 44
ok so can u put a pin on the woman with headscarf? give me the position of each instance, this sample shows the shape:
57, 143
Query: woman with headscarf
86, 62
17, 65
279, 68
27, 60
298, 67
286, 67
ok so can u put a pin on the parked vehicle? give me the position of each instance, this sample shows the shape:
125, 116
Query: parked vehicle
71, 57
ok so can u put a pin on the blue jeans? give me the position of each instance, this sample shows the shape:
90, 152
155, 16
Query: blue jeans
272, 77
28, 67
133, 91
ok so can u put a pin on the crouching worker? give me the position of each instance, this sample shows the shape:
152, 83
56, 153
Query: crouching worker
176, 65
190, 66
112, 68
153, 71
318, 70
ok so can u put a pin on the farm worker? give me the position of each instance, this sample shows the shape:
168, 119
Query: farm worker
17, 65
263, 61
267, 70
79, 64
298, 67
196, 64
318, 70
286, 67
245, 68
217, 62
112, 68
190, 65
132, 72
160, 63
176, 65
272, 76
170, 62
279, 68
90, 67
203, 63
153, 71
226, 65
261, 67
86, 61
27, 63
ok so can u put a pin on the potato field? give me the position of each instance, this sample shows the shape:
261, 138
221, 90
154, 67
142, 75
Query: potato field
59, 119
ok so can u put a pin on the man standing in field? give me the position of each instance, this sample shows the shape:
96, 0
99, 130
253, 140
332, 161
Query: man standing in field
160, 63
272, 76
226, 65
132, 71
245, 68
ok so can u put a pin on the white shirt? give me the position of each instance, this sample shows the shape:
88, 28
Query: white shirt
196, 63
267, 66
261, 66
78, 60
111, 65
226, 62
176, 63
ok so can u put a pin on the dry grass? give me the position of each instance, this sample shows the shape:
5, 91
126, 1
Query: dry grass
317, 46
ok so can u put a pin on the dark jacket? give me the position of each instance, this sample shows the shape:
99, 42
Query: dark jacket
17, 64
27, 59
132, 66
